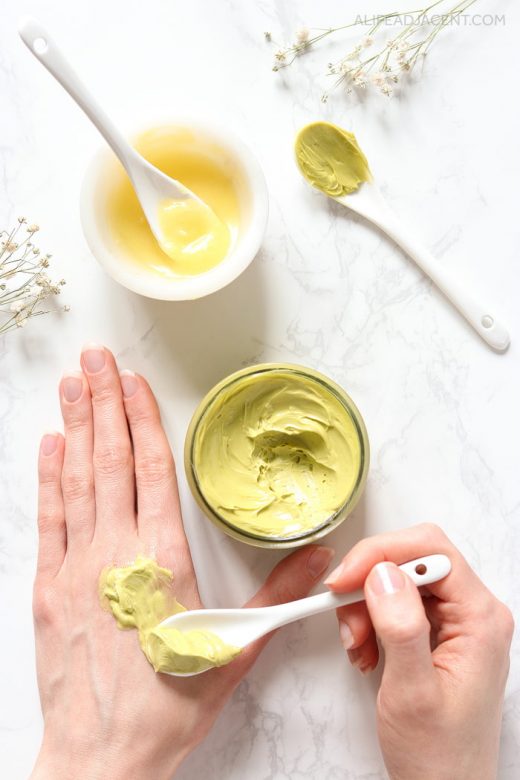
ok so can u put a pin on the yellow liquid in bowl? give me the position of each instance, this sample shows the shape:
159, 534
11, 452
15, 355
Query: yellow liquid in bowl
198, 243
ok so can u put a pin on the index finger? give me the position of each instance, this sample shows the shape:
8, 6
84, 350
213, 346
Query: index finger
159, 518
459, 586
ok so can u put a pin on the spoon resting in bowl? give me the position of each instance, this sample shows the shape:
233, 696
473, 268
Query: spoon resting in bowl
180, 221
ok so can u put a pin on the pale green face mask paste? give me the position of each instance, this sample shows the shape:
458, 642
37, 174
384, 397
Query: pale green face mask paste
140, 596
276, 454
330, 159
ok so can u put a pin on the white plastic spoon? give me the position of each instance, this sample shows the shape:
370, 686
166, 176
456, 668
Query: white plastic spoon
370, 203
239, 627
151, 185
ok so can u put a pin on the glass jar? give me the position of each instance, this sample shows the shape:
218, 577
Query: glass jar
210, 405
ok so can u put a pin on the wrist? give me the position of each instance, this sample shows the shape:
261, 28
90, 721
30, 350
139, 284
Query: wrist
102, 760
461, 767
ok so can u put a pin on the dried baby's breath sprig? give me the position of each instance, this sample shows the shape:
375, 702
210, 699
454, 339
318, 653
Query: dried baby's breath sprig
24, 282
377, 61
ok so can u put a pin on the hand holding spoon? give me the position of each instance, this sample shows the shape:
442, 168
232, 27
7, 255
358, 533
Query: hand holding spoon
160, 196
331, 160
240, 627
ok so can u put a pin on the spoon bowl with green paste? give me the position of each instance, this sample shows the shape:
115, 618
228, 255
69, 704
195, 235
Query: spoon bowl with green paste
331, 160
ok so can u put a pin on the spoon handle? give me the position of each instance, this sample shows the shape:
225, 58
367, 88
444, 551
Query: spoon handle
479, 317
422, 571
40, 43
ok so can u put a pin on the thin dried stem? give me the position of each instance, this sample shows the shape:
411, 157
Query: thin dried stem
386, 65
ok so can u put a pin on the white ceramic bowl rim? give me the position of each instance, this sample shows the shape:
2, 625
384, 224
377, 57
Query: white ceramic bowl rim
185, 287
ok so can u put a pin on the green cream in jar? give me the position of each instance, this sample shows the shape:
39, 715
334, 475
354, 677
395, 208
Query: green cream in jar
276, 453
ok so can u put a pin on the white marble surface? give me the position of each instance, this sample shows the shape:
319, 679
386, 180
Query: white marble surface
327, 291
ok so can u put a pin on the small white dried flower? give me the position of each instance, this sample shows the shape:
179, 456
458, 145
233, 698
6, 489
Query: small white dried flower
42, 279
267, 36
366, 42
302, 35
16, 307
386, 90
66, 307
378, 79
280, 55
10, 246
22, 220
33, 229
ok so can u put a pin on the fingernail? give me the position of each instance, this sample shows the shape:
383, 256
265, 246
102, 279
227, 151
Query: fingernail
49, 444
72, 385
357, 660
386, 578
94, 357
346, 635
129, 383
335, 574
319, 560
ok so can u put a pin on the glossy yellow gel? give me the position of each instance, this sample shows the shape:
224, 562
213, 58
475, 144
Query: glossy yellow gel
140, 596
197, 237
192, 234
276, 454
330, 159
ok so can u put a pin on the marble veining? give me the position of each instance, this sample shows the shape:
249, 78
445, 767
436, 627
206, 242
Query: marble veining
327, 290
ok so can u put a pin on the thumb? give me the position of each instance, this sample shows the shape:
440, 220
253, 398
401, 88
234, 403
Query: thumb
400, 622
292, 578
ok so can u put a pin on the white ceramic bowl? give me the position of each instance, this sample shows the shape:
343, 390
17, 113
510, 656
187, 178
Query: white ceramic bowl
253, 201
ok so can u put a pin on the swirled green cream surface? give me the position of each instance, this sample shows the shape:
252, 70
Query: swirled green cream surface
276, 454
330, 159
140, 596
